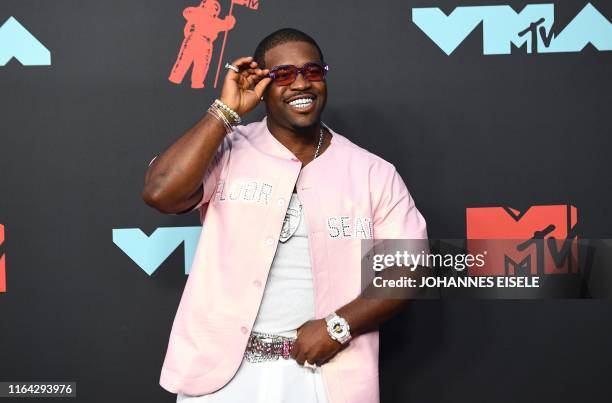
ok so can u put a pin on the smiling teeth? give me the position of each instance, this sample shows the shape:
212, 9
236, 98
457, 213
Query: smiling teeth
301, 103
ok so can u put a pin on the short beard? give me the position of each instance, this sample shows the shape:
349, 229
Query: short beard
299, 129
305, 130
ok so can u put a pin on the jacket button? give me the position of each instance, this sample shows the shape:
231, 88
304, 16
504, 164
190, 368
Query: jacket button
257, 283
280, 202
269, 241
244, 330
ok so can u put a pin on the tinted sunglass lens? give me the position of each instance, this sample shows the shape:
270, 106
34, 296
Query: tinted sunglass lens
285, 75
314, 72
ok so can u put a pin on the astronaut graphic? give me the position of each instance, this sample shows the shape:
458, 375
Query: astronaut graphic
201, 30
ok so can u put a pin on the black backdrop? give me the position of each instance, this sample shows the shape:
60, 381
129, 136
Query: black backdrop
464, 130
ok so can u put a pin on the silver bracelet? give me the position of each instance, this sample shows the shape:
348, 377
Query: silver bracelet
216, 112
232, 113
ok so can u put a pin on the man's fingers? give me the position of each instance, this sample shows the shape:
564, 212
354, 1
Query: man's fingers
242, 63
250, 72
250, 81
294, 351
253, 77
300, 358
246, 64
260, 87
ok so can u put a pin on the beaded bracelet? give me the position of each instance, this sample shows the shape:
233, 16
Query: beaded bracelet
225, 114
233, 115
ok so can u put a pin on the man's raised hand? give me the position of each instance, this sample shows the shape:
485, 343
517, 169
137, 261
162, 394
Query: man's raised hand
242, 91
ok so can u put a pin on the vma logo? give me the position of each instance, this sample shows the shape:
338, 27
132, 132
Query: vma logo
149, 252
2, 261
18, 42
540, 240
502, 27
202, 26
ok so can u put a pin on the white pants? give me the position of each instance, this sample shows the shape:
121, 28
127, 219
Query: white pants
278, 381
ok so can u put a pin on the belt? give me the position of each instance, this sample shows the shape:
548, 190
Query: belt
267, 347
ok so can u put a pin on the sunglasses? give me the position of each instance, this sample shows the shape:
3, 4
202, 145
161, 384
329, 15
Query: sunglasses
286, 74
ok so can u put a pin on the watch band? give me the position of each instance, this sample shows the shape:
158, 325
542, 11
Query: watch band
338, 328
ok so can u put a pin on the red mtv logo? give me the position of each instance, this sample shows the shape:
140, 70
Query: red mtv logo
539, 240
2, 262
202, 27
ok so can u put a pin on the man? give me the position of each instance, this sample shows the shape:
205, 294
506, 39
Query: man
242, 183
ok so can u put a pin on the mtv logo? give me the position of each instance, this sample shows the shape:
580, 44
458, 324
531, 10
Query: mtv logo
18, 42
149, 252
539, 240
503, 27
2, 261
252, 4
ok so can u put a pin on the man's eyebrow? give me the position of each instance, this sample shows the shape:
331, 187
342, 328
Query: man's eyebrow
291, 64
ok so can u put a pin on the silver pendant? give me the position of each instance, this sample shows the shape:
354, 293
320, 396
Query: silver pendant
291, 222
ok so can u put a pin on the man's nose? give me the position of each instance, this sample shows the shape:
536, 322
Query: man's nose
300, 82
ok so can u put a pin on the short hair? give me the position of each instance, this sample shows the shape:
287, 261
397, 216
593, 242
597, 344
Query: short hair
279, 37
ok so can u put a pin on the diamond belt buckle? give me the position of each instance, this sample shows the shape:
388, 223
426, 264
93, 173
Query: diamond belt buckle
286, 349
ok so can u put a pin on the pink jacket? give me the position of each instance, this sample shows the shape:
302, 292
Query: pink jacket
348, 194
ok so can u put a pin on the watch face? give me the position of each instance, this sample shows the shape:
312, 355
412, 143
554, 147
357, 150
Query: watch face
338, 328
